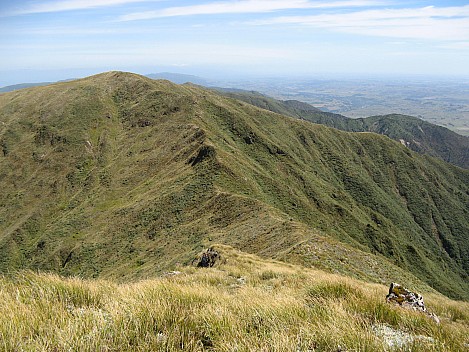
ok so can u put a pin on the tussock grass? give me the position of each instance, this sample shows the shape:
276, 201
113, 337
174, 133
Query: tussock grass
242, 304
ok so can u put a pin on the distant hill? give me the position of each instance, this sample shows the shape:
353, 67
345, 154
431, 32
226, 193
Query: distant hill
29, 85
179, 78
292, 108
122, 176
419, 135
22, 86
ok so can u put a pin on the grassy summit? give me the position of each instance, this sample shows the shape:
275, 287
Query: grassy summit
120, 176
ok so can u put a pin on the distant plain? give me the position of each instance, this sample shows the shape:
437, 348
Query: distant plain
443, 102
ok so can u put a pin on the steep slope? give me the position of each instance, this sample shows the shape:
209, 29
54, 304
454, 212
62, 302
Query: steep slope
420, 136
118, 175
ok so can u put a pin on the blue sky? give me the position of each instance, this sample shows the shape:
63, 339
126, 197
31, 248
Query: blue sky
49, 40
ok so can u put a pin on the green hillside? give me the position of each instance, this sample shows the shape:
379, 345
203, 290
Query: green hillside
420, 136
293, 108
117, 175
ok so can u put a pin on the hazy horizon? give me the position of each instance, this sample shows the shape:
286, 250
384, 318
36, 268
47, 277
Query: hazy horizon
57, 40
8, 78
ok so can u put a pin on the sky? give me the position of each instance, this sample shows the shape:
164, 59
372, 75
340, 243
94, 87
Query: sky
50, 40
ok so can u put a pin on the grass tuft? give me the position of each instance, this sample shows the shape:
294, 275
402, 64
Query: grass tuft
339, 290
275, 307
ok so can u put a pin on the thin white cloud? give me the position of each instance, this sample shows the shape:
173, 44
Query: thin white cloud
69, 5
245, 6
446, 23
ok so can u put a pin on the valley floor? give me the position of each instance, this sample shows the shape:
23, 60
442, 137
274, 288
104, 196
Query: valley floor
243, 303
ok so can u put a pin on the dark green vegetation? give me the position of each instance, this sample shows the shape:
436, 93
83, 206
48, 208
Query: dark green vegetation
119, 175
420, 136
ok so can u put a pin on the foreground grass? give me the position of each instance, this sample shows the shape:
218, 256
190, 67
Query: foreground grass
243, 304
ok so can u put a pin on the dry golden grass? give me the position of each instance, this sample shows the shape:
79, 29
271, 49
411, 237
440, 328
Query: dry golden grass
242, 304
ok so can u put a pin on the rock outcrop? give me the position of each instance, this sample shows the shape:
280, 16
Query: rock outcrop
402, 296
208, 258
407, 299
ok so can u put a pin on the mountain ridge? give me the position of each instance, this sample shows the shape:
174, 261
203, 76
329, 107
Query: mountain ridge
122, 175
417, 134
